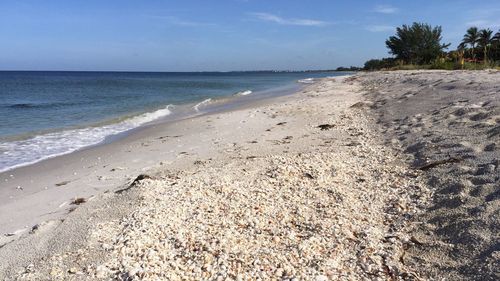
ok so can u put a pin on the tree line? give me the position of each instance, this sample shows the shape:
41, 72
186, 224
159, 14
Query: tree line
420, 46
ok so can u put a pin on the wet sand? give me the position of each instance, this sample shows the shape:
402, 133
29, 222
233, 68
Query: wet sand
367, 177
45, 190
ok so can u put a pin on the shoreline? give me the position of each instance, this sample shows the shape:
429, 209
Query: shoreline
175, 112
23, 204
369, 176
305, 163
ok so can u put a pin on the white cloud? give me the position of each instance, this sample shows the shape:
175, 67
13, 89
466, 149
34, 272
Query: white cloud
386, 9
283, 21
484, 23
380, 28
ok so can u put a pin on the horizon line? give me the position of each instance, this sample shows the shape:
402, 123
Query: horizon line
202, 71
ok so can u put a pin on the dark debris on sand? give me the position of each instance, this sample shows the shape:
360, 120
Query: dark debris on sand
447, 124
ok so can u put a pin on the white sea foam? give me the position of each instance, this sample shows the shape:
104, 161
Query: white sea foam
205, 102
24, 152
243, 93
306, 81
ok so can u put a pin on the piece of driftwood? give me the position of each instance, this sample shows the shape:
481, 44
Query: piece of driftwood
325, 127
134, 183
431, 165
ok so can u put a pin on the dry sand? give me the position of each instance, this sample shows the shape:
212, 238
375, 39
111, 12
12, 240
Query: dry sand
371, 177
448, 125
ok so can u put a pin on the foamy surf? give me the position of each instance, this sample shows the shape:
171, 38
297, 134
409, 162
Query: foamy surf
24, 152
243, 93
306, 81
61, 119
201, 104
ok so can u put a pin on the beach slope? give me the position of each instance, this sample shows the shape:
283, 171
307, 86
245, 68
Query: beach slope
298, 187
447, 124
384, 175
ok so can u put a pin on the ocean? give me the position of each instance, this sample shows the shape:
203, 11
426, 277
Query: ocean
45, 114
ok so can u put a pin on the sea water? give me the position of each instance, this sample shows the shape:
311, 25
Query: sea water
45, 114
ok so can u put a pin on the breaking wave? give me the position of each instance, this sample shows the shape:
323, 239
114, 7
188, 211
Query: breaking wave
307, 81
201, 104
243, 93
24, 152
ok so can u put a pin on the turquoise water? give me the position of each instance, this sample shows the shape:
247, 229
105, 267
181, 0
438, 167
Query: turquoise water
44, 114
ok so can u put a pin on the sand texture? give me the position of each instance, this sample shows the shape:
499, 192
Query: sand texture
448, 124
377, 176
298, 189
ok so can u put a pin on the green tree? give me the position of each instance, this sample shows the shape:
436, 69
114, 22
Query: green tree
419, 43
485, 40
471, 38
496, 38
376, 64
496, 46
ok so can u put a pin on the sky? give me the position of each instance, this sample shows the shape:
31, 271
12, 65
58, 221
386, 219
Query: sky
218, 35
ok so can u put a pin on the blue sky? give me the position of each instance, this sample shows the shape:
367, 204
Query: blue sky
204, 35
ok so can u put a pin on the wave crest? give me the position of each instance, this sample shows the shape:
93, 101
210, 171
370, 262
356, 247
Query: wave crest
307, 81
150, 116
243, 93
205, 102
24, 152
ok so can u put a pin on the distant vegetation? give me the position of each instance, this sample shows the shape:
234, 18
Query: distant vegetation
352, 68
419, 46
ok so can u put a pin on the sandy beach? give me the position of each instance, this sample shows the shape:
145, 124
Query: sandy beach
375, 176
447, 124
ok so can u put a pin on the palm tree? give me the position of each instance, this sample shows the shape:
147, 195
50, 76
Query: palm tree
496, 44
471, 38
461, 54
485, 41
497, 36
